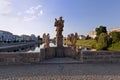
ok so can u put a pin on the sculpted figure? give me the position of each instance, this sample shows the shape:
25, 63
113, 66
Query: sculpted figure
59, 24
44, 35
46, 40
73, 40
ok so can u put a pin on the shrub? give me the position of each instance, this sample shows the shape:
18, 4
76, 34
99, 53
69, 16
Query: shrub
102, 42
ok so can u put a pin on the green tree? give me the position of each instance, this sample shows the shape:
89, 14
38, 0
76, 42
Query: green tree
88, 37
115, 36
101, 29
109, 40
102, 42
39, 38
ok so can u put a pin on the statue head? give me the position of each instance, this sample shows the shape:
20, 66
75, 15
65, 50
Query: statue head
60, 18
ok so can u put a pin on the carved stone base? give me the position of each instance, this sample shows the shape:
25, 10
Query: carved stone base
59, 52
59, 41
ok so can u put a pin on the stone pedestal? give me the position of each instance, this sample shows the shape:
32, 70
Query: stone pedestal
59, 52
59, 41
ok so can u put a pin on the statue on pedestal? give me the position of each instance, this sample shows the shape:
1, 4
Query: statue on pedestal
59, 24
46, 40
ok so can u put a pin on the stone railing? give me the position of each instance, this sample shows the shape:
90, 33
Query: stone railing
83, 57
31, 58
19, 58
100, 56
24, 58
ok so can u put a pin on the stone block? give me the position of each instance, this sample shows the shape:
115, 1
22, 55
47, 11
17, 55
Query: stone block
2, 59
11, 60
50, 52
101, 56
42, 54
59, 52
7, 55
68, 52
59, 41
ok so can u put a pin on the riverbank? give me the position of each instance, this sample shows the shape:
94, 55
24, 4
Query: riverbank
15, 43
91, 44
83, 43
11, 46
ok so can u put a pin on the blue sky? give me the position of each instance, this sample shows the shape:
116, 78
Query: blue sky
37, 16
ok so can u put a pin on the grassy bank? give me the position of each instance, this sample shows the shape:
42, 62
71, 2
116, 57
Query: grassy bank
92, 44
114, 46
84, 43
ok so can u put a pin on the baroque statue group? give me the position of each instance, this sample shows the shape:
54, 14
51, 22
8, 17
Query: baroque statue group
59, 24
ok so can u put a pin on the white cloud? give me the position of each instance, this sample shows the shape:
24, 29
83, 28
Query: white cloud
38, 7
28, 18
30, 10
40, 12
32, 13
35, 10
19, 13
5, 7
22, 18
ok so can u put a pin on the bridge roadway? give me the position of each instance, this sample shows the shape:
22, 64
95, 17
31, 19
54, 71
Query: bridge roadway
61, 71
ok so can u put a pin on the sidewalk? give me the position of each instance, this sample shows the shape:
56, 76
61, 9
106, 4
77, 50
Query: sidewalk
60, 60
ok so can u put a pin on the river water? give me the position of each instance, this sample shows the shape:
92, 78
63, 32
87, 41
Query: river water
32, 48
37, 47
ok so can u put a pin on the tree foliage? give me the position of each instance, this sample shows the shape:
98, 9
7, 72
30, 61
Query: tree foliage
88, 37
115, 36
101, 29
102, 42
39, 38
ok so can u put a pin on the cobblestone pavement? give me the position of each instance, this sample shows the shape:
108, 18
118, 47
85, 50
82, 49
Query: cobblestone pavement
59, 71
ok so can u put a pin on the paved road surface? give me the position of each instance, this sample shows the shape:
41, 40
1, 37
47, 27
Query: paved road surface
61, 71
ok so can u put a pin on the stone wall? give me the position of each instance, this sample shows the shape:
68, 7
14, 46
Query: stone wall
19, 58
47, 53
69, 52
100, 56
31, 58
26, 58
